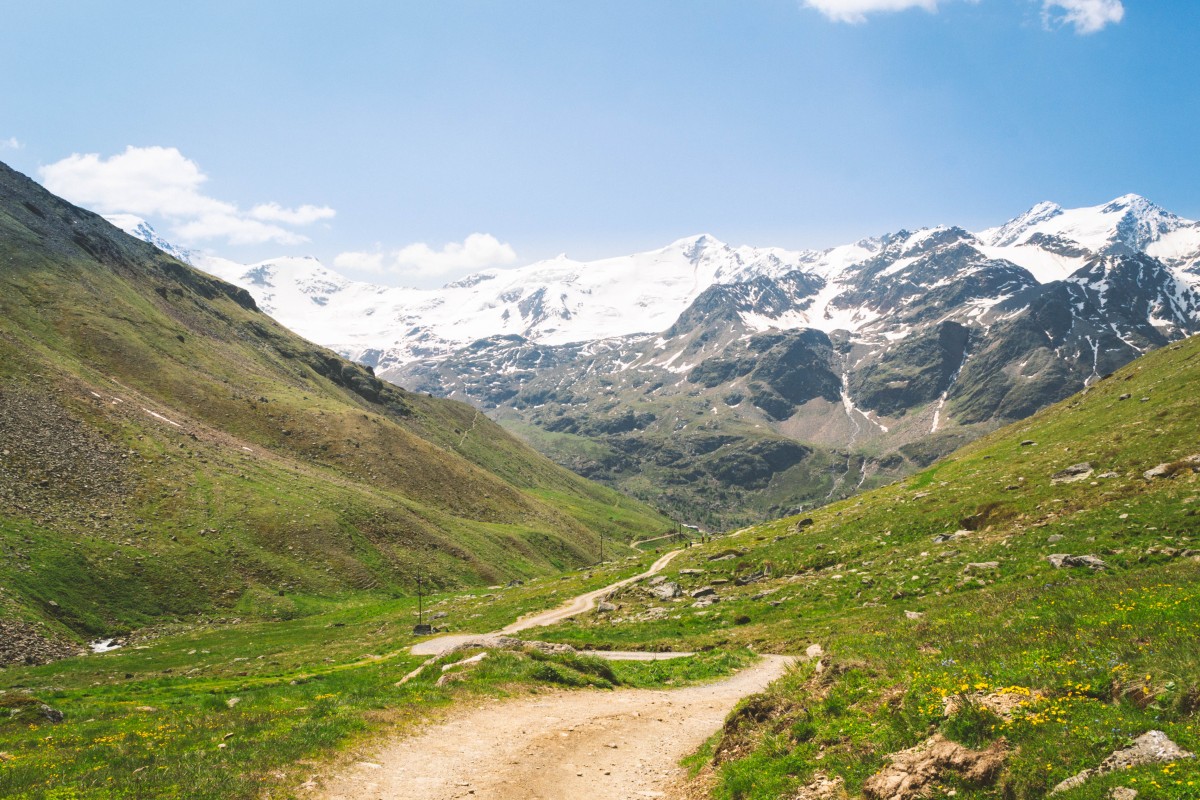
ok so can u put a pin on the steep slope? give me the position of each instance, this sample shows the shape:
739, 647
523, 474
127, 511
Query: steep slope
167, 450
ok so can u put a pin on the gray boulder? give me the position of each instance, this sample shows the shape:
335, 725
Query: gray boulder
1073, 473
667, 590
1060, 560
1171, 469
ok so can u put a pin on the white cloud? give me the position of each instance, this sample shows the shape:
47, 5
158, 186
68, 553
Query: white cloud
10, 143
855, 11
234, 229
162, 182
304, 215
478, 251
1088, 16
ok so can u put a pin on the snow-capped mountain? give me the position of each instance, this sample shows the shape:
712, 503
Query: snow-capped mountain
561, 300
1126, 225
136, 226
740, 376
555, 301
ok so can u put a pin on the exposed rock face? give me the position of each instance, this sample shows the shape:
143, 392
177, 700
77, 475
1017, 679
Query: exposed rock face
50, 458
1152, 747
913, 770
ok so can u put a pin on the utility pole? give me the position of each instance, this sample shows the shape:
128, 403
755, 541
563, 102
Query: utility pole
601, 547
421, 627
420, 600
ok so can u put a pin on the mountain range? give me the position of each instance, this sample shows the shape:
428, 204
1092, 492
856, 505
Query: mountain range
736, 383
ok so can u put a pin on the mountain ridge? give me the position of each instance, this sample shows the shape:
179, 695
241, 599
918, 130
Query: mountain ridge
554, 291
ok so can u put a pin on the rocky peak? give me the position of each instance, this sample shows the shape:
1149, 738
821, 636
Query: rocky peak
1013, 231
1140, 223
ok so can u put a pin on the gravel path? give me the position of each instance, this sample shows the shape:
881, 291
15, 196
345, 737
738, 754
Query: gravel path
599, 745
593, 744
578, 605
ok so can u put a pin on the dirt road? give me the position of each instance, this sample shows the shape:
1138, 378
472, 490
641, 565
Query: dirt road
577, 605
593, 744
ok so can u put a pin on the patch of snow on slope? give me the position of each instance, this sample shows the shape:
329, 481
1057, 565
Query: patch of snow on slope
1042, 264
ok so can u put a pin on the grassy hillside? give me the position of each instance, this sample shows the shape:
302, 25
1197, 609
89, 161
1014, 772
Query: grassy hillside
167, 451
941, 587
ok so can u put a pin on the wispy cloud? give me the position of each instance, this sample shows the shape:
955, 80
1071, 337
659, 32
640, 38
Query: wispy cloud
478, 251
1086, 16
10, 143
161, 182
304, 215
856, 11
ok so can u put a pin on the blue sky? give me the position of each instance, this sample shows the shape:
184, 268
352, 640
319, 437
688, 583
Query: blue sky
372, 135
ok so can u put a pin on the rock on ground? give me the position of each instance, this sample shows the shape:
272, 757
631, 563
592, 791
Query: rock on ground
1060, 560
1002, 704
822, 787
666, 590
1073, 473
23, 643
1152, 747
913, 770
1169, 470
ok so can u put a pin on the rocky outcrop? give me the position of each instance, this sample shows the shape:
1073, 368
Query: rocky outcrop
1060, 560
912, 771
24, 709
1173, 468
1152, 747
1073, 473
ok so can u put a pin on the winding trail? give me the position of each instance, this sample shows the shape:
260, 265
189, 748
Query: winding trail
598, 745
559, 745
467, 432
577, 605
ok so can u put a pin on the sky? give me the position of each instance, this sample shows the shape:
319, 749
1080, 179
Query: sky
410, 143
